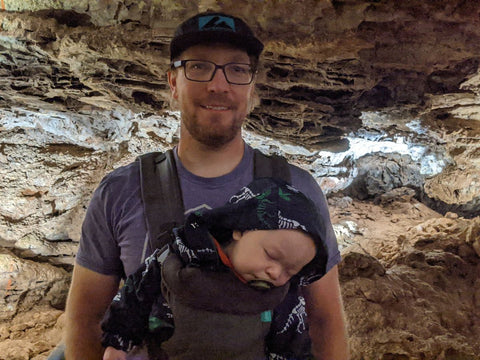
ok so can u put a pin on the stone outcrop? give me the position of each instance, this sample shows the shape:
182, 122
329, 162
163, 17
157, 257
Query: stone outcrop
31, 335
25, 284
421, 303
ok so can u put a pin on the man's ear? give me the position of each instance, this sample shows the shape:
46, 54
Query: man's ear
237, 234
172, 82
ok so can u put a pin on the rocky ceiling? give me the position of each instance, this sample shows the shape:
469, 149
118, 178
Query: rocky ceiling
325, 61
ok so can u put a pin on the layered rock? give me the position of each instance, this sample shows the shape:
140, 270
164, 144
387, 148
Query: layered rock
25, 284
423, 301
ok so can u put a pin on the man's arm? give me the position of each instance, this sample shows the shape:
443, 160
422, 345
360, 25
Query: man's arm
89, 296
326, 318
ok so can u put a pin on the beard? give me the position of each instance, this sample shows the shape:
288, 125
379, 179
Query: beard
213, 136
213, 131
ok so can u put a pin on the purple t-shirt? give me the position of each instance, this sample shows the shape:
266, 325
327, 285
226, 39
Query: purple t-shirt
114, 236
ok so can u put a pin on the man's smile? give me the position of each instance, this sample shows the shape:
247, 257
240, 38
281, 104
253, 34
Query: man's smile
216, 107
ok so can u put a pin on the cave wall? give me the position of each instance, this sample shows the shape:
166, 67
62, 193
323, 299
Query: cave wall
83, 90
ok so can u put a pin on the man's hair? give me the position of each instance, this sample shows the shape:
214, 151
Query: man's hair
214, 27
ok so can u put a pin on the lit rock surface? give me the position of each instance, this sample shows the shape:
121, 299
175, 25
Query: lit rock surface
425, 301
380, 101
25, 284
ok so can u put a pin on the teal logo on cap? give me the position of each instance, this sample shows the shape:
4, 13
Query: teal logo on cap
216, 22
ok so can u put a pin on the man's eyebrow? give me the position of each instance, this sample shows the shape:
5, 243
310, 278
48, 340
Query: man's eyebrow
240, 59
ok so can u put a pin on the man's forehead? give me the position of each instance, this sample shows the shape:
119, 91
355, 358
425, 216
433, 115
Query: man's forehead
215, 49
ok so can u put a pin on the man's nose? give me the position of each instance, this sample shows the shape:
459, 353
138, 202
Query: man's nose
219, 82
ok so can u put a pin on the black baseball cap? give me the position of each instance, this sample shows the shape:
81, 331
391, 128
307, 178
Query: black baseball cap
214, 27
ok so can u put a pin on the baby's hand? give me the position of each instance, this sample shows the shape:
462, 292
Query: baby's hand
113, 354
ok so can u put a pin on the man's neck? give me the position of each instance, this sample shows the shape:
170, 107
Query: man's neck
210, 162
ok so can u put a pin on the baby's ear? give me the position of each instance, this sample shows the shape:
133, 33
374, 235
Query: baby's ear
237, 234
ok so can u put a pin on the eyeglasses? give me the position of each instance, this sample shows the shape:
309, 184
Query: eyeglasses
204, 71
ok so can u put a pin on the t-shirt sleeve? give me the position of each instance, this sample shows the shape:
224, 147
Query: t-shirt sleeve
98, 250
305, 182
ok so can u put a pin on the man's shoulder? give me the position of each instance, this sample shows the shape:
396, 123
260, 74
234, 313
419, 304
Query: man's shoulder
304, 181
300, 172
124, 171
126, 176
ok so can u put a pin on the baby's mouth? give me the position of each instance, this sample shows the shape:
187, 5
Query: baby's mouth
261, 284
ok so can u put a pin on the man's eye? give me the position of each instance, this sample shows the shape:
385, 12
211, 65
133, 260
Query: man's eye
239, 69
198, 66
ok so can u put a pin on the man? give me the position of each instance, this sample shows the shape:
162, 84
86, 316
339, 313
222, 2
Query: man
214, 59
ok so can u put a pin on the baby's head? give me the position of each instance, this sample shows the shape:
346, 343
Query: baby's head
271, 232
269, 257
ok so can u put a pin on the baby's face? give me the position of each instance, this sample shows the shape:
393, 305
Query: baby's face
270, 255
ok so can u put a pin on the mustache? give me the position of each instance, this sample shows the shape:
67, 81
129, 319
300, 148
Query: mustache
217, 99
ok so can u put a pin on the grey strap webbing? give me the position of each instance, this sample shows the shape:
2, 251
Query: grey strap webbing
270, 166
161, 195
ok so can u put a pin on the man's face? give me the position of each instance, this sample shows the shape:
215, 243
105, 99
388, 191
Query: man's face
273, 256
212, 112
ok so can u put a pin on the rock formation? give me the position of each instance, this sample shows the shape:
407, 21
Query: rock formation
380, 100
420, 297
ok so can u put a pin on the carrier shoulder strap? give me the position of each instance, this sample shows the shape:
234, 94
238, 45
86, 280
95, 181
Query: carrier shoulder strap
275, 166
162, 194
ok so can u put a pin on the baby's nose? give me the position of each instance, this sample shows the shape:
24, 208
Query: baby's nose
277, 275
